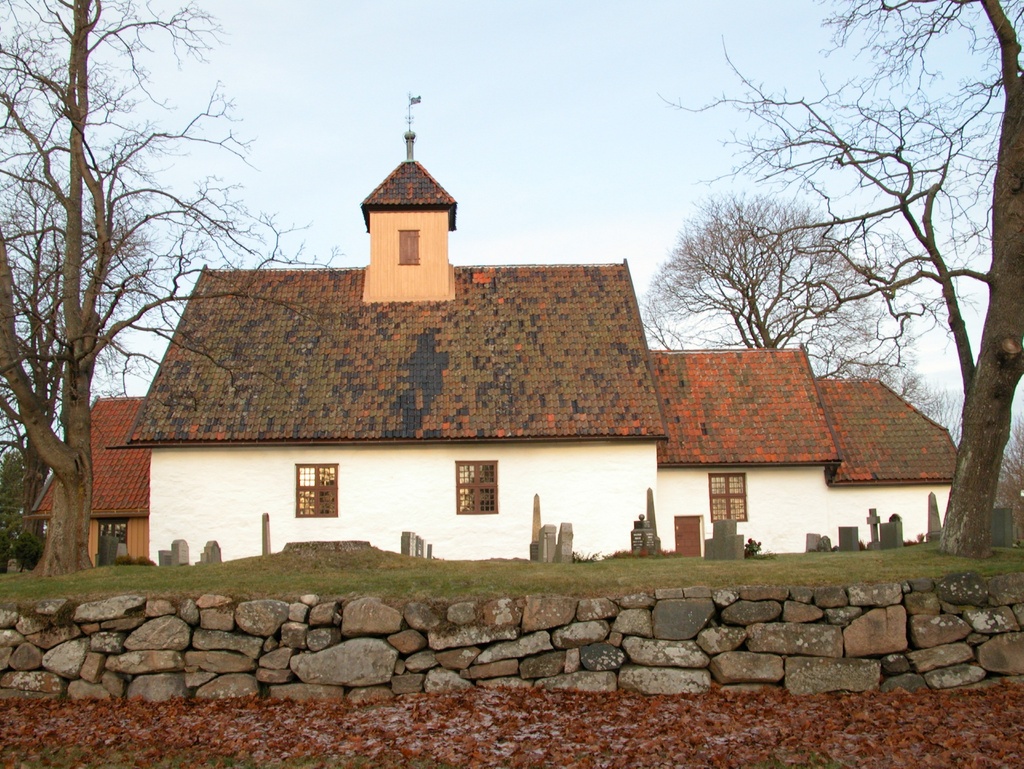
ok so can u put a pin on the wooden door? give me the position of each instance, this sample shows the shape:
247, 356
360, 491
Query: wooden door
688, 535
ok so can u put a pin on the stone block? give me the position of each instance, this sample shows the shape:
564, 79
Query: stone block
109, 608
369, 617
370, 695
884, 594
580, 681
789, 639
106, 642
501, 668
965, 588
410, 683
216, 640
830, 597
910, 682
408, 641
954, 677
293, 635
544, 612
1003, 654
359, 662
501, 611
921, 603
595, 608
843, 616
601, 656
928, 630
440, 680
421, 617
645, 680
306, 692
458, 659
220, 662
158, 688
1006, 589
440, 639
723, 596
164, 632
40, 681
261, 618
93, 667
323, 615
634, 622
998, 619
943, 656
66, 659
53, 636
277, 659
159, 607
275, 676
579, 634
543, 665
751, 612
322, 638
747, 667
462, 613
715, 640
421, 661
217, 619
795, 611
145, 662
681, 620
879, 631
636, 601
661, 653
816, 675
84, 690
26, 656
505, 682
229, 686
527, 645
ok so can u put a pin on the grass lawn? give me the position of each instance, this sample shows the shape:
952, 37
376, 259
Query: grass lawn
393, 576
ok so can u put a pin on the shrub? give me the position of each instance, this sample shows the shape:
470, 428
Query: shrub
752, 549
127, 560
28, 549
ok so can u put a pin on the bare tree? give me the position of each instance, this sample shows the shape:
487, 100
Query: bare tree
752, 272
929, 181
91, 244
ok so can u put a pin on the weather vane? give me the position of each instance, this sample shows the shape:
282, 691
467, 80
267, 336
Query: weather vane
412, 100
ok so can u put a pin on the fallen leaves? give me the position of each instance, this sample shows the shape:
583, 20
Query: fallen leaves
530, 728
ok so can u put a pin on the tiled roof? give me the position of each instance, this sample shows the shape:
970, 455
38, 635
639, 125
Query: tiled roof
120, 476
726, 407
409, 186
884, 438
296, 356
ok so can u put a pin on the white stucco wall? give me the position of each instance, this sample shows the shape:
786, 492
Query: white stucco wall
786, 503
201, 494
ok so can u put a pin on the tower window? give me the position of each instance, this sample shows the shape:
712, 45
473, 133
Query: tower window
408, 246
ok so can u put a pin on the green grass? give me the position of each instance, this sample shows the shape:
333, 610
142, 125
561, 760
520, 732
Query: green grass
392, 576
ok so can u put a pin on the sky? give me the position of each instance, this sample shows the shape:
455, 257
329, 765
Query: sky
554, 125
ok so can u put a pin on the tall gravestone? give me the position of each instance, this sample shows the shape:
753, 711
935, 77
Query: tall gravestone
535, 534
891, 533
211, 553
653, 521
811, 543
1002, 527
563, 546
266, 534
107, 550
934, 521
179, 553
642, 538
408, 543
725, 544
873, 523
849, 539
548, 541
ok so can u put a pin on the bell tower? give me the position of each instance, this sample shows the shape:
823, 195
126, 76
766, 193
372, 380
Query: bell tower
409, 217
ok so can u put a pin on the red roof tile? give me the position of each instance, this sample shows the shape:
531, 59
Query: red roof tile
296, 356
884, 438
120, 476
725, 407
409, 186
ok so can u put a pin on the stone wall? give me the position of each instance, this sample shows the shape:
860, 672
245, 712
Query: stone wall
959, 631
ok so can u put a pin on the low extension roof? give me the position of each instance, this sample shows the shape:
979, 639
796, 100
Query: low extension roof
120, 476
884, 438
295, 356
410, 187
725, 407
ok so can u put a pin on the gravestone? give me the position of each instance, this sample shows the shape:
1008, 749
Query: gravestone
13, 565
122, 550
211, 553
408, 543
547, 543
811, 543
266, 534
892, 533
107, 550
849, 539
651, 520
725, 544
824, 545
563, 547
419, 547
164, 558
535, 533
873, 523
179, 553
642, 539
1002, 527
934, 521
430, 552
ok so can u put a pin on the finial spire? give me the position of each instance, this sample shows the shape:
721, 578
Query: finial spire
410, 137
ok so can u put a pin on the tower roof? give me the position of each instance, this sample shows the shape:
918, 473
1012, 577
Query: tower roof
410, 187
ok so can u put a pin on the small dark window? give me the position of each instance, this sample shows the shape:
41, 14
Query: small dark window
408, 246
476, 485
728, 496
316, 491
